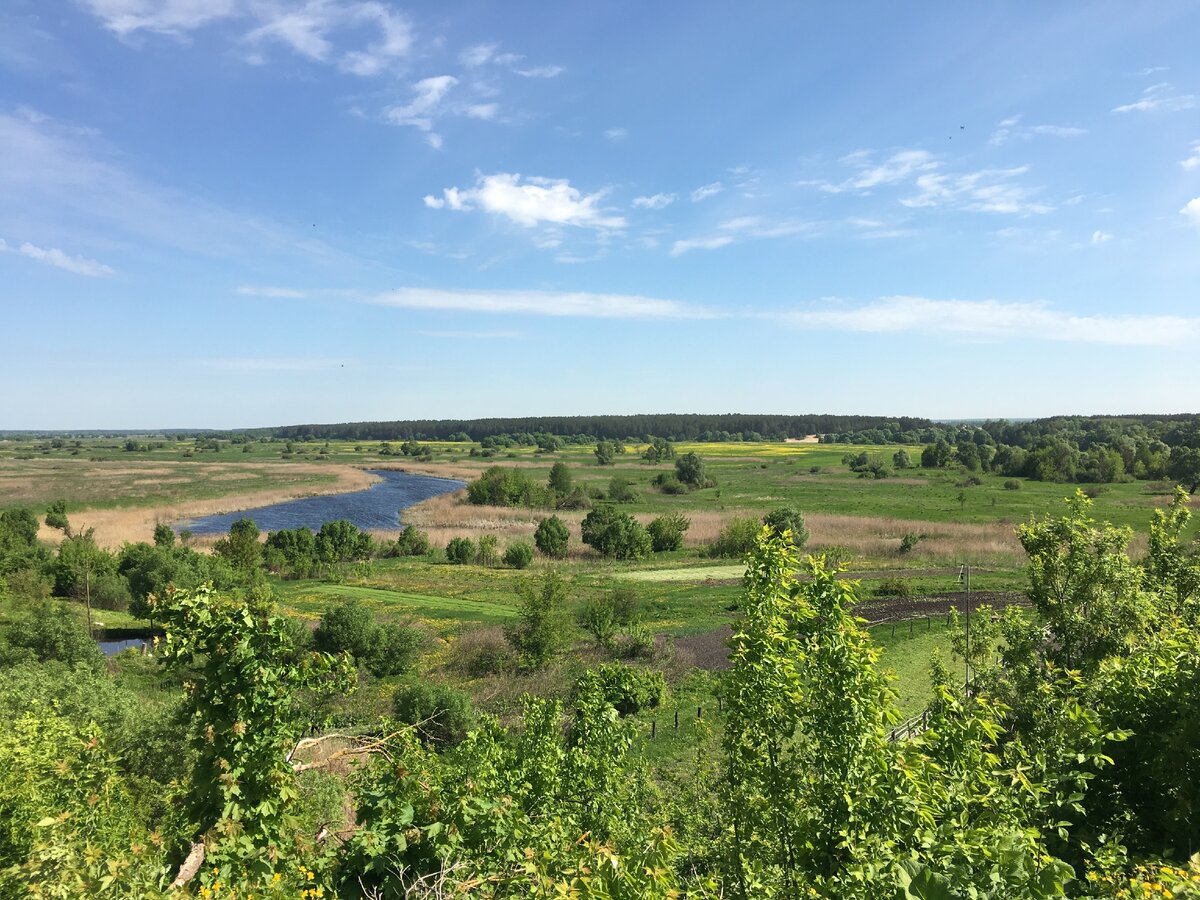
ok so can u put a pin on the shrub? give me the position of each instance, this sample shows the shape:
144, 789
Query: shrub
441, 715
787, 518
909, 541
499, 486
460, 551
395, 650
894, 587
481, 652
541, 631
487, 553
627, 689
49, 632
620, 490
635, 642
342, 541
1012, 485
666, 532
615, 534
349, 627
412, 542
736, 539
552, 537
689, 469
669, 484
518, 554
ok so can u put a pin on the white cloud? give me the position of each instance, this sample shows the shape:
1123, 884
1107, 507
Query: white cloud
708, 243
485, 111
616, 134
428, 94
476, 56
249, 290
1160, 97
541, 72
988, 190
1012, 129
1192, 211
54, 257
708, 190
1192, 162
541, 303
654, 201
897, 167
124, 17
530, 202
1101, 237
308, 28
996, 320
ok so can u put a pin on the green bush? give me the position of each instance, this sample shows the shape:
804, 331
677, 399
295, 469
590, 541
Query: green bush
441, 715
894, 587
383, 650
615, 534
50, 631
909, 541
412, 542
689, 469
787, 518
542, 630
627, 689
620, 490
666, 532
482, 652
460, 551
552, 537
518, 554
736, 539
499, 486
487, 553
1012, 485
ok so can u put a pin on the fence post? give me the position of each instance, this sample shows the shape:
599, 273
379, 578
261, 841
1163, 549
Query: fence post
910, 625
893, 629
719, 704
653, 729
698, 712
676, 719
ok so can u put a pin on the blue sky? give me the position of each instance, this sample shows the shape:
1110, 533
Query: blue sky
222, 213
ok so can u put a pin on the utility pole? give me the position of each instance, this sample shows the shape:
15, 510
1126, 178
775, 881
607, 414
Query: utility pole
964, 578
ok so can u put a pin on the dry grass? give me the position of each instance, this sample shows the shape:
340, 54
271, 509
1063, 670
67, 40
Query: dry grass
117, 526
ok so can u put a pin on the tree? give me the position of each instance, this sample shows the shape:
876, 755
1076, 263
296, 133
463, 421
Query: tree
666, 532
412, 542
442, 715
1183, 466
342, 541
552, 537
605, 453
292, 550
901, 460
736, 538
241, 547
460, 550
541, 632
561, 482
518, 554
486, 552
615, 533
56, 516
787, 518
164, 534
689, 469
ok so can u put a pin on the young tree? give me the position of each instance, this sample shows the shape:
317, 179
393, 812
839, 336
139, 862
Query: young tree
689, 469
241, 547
541, 632
615, 533
666, 532
552, 537
518, 554
787, 518
164, 534
605, 453
460, 550
56, 517
561, 483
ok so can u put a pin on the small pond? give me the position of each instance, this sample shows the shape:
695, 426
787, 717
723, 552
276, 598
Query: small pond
112, 648
377, 507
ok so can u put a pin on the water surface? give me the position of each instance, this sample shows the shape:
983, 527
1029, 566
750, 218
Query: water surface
377, 507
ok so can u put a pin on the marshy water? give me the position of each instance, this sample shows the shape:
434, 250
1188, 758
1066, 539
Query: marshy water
377, 507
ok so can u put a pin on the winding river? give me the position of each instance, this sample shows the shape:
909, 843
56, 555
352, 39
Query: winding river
378, 507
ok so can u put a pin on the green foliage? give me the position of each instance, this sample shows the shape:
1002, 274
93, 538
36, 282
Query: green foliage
736, 538
499, 486
341, 541
518, 554
620, 490
243, 681
441, 715
1184, 467
615, 533
606, 452
561, 482
666, 532
909, 541
49, 631
602, 617
460, 550
164, 534
486, 553
901, 460
628, 689
292, 551
1012, 484
689, 469
552, 537
542, 630
412, 542
56, 516
349, 627
658, 450
241, 547
787, 518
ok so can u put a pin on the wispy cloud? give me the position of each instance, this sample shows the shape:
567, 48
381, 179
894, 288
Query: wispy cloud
706, 191
1191, 211
541, 72
716, 242
1011, 129
248, 290
427, 97
541, 303
654, 201
52, 256
988, 190
1101, 237
1162, 97
530, 201
616, 134
998, 320
1191, 163
896, 168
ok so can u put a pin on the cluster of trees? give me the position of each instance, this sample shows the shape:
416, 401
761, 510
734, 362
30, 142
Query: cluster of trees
588, 429
1066, 770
